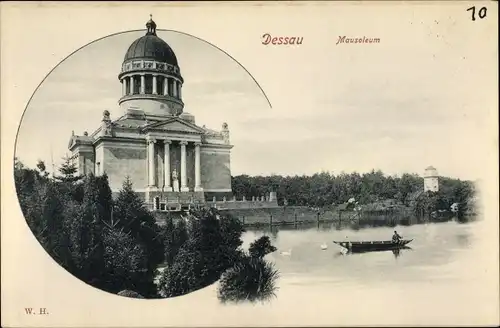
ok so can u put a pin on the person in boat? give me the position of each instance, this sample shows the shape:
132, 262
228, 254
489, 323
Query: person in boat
396, 238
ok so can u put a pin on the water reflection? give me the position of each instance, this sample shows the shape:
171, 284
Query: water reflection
397, 252
356, 225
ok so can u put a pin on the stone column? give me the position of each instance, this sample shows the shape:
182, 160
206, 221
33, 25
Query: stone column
124, 87
131, 85
155, 85
143, 84
174, 87
166, 165
165, 86
197, 168
179, 90
184, 186
151, 161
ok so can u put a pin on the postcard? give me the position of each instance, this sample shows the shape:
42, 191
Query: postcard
249, 164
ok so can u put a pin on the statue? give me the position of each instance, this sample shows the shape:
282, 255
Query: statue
175, 181
225, 133
105, 115
106, 124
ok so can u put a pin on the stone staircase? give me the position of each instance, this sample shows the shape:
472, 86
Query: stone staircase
176, 201
183, 197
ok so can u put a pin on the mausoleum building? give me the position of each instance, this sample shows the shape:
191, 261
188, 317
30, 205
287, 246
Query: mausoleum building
155, 142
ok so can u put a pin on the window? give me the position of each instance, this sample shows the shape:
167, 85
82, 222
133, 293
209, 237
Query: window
137, 85
149, 84
170, 87
159, 84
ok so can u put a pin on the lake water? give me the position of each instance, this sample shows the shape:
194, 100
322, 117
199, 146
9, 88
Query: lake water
434, 246
442, 280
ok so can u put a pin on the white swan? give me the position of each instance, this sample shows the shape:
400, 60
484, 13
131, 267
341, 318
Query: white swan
324, 246
284, 253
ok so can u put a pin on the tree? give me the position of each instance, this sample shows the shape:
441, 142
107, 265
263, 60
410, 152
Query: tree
25, 180
131, 216
174, 236
68, 171
88, 236
82, 235
261, 247
251, 278
125, 262
104, 198
53, 235
42, 169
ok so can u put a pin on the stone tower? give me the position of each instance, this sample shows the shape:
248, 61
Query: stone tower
431, 180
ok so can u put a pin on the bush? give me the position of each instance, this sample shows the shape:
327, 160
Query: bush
261, 247
130, 293
252, 279
187, 274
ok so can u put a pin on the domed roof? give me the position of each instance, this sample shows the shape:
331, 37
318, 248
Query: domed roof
150, 46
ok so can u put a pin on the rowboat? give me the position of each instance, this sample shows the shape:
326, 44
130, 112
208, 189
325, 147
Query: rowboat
370, 246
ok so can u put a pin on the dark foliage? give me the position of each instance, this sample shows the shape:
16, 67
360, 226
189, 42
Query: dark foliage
130, 293
131, 216
451, 191
73, 219
252, 279
68, 171
325, 189
212, 247
175, 234
261, 247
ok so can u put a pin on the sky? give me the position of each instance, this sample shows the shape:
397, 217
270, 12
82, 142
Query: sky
398, 106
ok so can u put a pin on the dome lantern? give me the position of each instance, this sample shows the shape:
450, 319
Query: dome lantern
151, 26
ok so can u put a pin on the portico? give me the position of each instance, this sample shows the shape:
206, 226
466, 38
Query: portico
168, 181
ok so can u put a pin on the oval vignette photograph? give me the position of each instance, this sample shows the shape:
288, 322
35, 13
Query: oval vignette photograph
124, 188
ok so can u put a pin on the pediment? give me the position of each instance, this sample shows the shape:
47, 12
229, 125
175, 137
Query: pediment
174, 125
78, 140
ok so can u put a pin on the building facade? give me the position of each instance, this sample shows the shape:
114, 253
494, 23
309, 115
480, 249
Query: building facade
431, 180
155, 142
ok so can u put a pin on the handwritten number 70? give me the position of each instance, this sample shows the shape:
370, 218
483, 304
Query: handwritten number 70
481, 13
